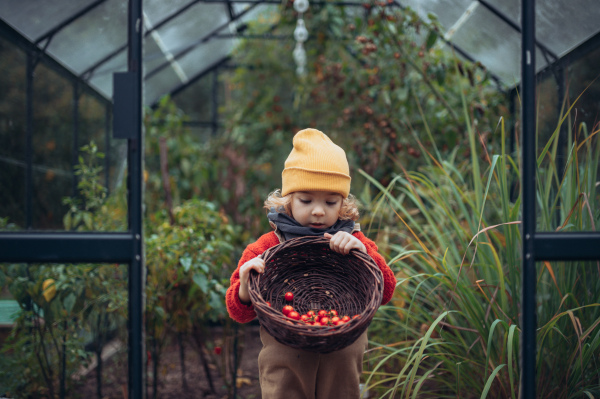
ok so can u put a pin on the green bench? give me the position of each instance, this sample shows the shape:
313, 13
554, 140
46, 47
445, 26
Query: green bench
9, 309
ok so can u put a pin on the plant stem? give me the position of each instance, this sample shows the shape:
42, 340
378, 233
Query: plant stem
182, 360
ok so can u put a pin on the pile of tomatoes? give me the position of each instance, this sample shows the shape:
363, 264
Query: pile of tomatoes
314, 318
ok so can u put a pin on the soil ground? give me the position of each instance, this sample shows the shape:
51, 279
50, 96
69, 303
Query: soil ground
114, 385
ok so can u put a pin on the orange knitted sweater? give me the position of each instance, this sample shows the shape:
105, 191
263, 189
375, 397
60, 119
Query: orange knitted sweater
245, 313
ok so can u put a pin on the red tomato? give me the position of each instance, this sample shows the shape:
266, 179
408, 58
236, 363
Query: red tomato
310, 313
289, 296
355, 316
346, 318
333, 312
338, 322
268, 303
322, 313
287, 309
217, 350
335, 319
294, 315
325, 320
304, 318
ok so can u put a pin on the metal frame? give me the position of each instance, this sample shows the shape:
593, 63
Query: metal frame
528, 283
538, 246
135, 157
34, 56
197, 43
98, 247
39, 54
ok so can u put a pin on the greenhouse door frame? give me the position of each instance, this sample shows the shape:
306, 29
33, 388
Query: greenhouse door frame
101, 247
537, 246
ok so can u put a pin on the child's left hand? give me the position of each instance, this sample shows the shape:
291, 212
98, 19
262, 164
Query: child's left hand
343, 242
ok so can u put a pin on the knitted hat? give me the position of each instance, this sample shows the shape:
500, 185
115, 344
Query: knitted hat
315, 164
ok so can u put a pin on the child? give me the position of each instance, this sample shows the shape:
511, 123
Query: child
314, 200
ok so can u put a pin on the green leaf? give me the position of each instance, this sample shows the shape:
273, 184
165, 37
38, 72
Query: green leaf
69, 302
419, 356
205, 268
186, 166
392, 29
67, 221
201, 281
431, 39
76, 219
87, 220
216, 301
186, 263
386, 97
510, 351
402, 93
488, 384
490, 341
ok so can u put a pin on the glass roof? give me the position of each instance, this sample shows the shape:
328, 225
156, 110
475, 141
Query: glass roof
89, 37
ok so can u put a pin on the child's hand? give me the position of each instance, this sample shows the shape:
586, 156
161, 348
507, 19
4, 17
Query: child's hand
343, 243
253, 264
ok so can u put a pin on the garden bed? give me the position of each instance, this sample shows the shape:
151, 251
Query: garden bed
170, 381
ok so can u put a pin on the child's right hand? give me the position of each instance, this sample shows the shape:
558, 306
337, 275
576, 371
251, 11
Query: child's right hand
253, 264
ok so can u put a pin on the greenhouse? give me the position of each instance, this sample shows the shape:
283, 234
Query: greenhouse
142, 144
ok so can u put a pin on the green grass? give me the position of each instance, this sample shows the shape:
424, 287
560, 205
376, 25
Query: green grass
453, 327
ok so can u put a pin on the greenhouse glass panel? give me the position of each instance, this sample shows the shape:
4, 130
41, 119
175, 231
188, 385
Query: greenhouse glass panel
562, 25
577, 199
206, 55
53, 147
34, 19
511, 9
12, 194
575, 26
494, 43
188, 29
154, 55
102, 78
160, 83
92, 122
157, 11
91, 37
12, 138
193, 99
12, 112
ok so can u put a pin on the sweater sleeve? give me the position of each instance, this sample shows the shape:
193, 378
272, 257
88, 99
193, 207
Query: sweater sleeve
389, 280
237, 310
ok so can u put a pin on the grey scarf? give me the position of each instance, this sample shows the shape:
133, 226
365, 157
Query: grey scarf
290, 228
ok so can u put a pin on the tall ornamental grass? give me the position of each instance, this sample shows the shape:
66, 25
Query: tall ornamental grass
453, 327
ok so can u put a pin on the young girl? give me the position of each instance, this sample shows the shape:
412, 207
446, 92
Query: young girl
314, 200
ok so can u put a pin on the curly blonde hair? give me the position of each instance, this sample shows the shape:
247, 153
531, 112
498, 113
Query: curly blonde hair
348, 211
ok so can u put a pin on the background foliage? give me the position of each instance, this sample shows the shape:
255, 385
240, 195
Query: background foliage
375, 85
433, 164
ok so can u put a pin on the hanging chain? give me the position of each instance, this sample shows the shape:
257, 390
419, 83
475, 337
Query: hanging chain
300, 34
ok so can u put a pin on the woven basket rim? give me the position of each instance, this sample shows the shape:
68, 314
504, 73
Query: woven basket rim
277, 321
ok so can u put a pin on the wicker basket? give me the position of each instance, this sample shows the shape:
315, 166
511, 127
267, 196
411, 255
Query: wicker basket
319, 278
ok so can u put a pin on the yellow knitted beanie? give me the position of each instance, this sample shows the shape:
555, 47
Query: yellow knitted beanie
315, 164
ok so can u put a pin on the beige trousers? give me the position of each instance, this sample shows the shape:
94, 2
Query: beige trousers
288, 373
